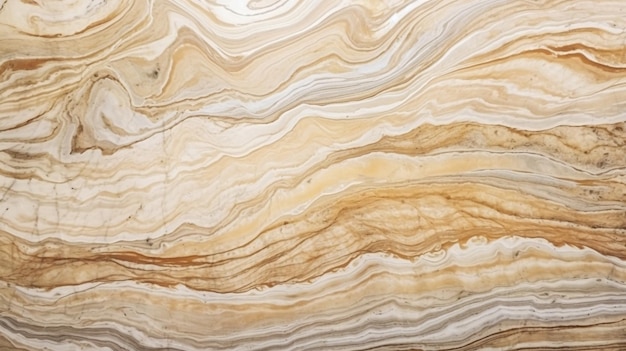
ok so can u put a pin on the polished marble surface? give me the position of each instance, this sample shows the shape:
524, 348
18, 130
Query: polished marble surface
312, 175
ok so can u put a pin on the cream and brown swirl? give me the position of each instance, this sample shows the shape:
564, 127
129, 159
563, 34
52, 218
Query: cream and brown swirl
369, 174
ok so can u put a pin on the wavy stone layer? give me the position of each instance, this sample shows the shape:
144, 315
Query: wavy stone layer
312, 175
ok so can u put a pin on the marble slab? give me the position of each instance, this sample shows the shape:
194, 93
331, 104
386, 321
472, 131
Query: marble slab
312, 175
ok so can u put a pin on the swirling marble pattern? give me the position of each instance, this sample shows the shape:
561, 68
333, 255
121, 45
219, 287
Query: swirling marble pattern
312, 175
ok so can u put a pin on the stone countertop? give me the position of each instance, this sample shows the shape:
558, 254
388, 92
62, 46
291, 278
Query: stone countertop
312, 175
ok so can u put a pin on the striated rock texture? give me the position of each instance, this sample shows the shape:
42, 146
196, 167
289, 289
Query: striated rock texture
312, 175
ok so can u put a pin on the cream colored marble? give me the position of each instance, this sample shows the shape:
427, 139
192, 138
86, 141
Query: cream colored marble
312, 175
